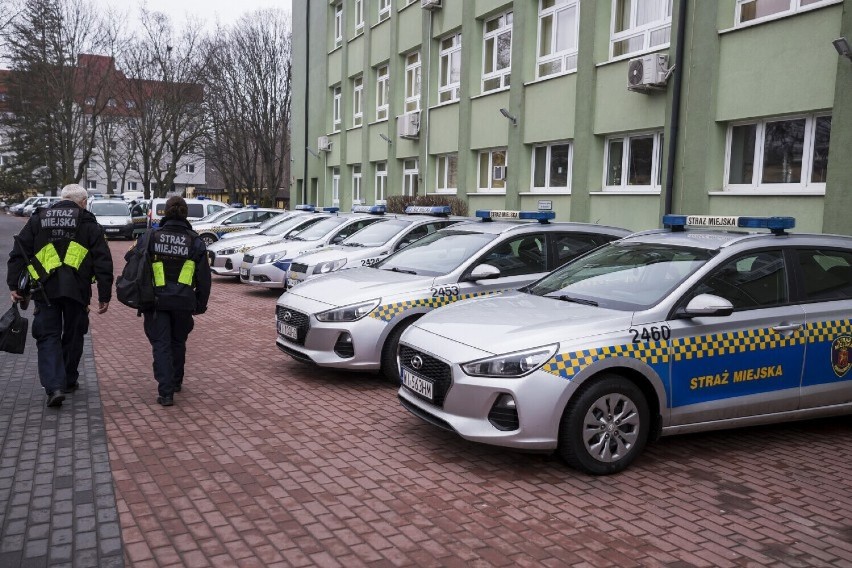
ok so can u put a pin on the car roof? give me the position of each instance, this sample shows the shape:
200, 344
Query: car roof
716, 240
500, 227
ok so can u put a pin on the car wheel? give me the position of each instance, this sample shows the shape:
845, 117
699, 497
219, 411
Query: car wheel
208, 238
390, 369
605, 426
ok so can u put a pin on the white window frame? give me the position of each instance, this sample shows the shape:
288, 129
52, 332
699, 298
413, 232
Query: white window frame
410, 175
656, 162
382, 92
445, 58
338, 24
189, 168
795, 7
489, 188
381, 183
413, 84
547, 187
92, 184
442, 178
565, 56
645, 30
335, 186
358, 101
384, 10
357, 196
131, 186
757, 184
336, 118
359, 16
505, 73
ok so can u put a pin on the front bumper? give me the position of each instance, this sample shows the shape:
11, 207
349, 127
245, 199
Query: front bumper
227, 264
264, 275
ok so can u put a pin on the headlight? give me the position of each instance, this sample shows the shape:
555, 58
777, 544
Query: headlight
269, 257
330, 266
227, 251
352, 312
511, 365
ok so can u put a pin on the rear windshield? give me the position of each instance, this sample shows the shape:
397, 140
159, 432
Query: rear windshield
196, 210
116, 208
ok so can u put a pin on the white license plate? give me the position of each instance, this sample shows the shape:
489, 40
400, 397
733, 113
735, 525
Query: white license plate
243, 272
423, 387
288, 330
111, 230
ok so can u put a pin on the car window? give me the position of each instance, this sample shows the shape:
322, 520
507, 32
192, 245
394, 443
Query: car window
242, 217
754, 280
115, 208
194, 209
214, 208
417, 233
321, 229
437, 254
826, 274
353, 228
569, 246
523, 254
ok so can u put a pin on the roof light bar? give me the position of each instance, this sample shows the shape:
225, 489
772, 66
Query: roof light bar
372, 209
436, 210
775, 224
304, 207
495, 214
326, 209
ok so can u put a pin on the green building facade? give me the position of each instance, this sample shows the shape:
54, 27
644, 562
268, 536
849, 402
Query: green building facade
735, 107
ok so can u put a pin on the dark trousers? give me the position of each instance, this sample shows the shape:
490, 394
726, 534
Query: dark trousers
167, 333
59, 331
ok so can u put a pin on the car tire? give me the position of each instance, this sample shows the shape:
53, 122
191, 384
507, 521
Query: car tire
390, 369
605, 426
209, 238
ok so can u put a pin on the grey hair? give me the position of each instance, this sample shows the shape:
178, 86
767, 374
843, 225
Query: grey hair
75, 193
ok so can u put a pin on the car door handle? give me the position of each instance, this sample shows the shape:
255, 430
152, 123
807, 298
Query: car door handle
787, 327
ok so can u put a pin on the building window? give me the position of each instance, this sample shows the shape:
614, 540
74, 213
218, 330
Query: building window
381, 180
356, 185
558, 28
448, 173
752, 10
384, 10
91, 184
633, 162
338, 24
112, 145
189, 168
359, 16
410, 175
382, 92
133, 165
112, 103
412, 82
335, 109
779, 154
449, 84
638, 25
335, 186
90, 101
358, 101
130, 104
113, 185
492, 170
497, 53
131, 186
552, 167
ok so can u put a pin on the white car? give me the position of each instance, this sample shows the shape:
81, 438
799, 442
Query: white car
113, 215
234, 220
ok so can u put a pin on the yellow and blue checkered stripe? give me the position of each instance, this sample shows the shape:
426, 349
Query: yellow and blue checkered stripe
219, 231
387, 312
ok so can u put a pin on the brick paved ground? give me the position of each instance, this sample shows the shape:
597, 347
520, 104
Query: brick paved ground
265, 462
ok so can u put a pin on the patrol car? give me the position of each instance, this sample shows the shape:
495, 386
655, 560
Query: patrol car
353, 319
197, 208
236, 220
226, 255
267, 266
253, 230
371, 244
663, 332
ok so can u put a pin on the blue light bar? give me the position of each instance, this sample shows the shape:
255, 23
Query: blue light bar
326, 209
252, 206
304, 207
372, 209
775, 224
436, 210
202, 197
499, 215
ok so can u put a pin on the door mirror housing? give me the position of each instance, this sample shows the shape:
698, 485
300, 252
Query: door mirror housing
707, 305
484, 272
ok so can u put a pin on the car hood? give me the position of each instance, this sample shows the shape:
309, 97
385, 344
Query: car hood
239, 234
358, 285
244, 242
514, 321
335, 252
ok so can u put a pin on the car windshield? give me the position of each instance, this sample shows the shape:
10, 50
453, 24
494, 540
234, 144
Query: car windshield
117, 208
284, 226
437, 254
376, 234
321, 229
622, 276
271, 222
210, 217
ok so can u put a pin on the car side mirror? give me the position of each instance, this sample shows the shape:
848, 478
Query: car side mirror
707, 305
337, 239
484, 272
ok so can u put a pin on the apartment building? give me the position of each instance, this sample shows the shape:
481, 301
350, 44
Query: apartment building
611, 111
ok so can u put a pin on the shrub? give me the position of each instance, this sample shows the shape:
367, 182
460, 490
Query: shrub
398, 203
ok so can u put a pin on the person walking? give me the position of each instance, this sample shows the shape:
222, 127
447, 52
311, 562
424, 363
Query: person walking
63, 249
181, 287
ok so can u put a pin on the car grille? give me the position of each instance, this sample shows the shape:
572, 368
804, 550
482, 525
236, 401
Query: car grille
433, 369
298, 267
297, 319
248, 258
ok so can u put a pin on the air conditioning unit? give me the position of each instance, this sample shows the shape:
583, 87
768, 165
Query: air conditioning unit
323, 144
499, 173
408, 125
648, 73
430, 4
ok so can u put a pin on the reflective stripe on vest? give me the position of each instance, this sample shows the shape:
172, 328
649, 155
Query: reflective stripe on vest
187, 272
49, 259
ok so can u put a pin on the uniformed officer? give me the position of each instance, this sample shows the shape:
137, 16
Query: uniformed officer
66, 250
182, 288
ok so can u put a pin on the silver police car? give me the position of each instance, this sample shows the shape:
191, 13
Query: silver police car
236, 220
662, 332
353, 319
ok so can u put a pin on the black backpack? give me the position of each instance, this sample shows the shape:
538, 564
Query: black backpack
135, 286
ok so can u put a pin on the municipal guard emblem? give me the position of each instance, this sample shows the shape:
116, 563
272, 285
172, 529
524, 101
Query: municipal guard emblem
840, 348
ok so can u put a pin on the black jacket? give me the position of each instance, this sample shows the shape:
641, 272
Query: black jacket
174, 296
67, 282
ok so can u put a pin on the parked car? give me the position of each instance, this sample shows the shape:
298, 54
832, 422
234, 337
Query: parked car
114, 217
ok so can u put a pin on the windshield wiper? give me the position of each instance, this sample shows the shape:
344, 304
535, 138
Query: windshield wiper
296, 238
353, 244
402, 270
577, 300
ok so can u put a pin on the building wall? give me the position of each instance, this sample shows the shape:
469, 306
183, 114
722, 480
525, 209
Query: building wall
779, 68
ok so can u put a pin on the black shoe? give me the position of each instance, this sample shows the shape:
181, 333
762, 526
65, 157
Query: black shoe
177, 388
71, 388
55, 398
165, 400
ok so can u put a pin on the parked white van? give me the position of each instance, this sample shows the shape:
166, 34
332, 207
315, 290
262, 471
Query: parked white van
198, 207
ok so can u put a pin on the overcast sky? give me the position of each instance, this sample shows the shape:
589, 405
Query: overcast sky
226, 11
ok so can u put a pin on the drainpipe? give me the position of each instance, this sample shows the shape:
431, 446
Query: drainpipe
307, 96
674, 119
424, 95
